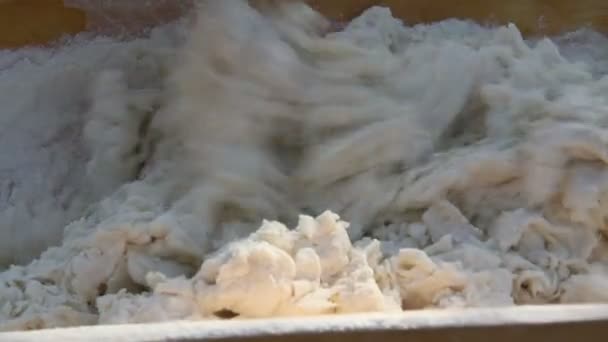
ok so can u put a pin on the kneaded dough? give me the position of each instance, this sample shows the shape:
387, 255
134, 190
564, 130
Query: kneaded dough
470, 165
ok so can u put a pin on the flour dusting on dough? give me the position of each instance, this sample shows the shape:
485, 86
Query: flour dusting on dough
470, 165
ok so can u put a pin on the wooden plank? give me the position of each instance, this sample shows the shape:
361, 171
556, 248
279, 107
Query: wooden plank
28, 22
129, 16
533, 17
33, 22
555, 323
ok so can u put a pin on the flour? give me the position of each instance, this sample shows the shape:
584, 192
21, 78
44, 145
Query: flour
50, 160
469, 164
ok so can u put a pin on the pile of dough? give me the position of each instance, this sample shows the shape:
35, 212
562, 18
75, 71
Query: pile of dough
470, 164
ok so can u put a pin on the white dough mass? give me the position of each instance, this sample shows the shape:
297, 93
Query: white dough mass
199, 172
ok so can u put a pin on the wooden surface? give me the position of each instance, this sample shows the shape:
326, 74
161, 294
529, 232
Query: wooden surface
531, 16
554, 323
127, 16
34, 22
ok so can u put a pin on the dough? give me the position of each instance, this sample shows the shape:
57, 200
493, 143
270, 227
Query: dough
220, 176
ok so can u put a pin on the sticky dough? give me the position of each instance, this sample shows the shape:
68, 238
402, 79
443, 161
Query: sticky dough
469, 163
